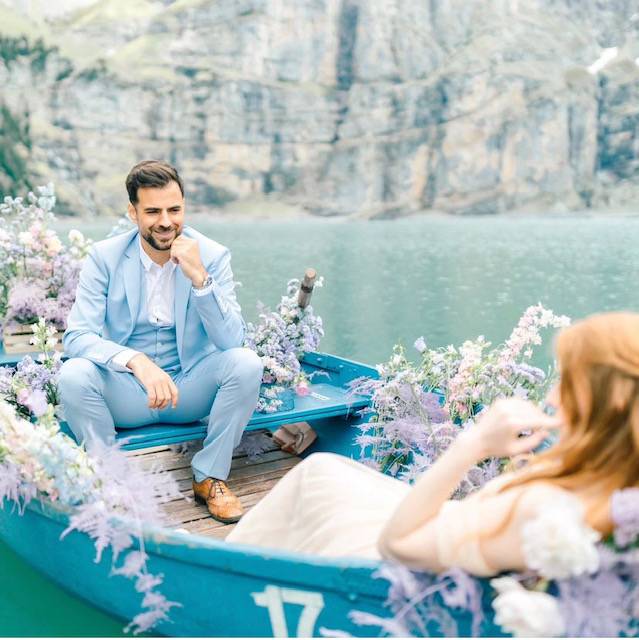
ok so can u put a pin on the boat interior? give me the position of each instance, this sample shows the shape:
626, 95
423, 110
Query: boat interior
252, 477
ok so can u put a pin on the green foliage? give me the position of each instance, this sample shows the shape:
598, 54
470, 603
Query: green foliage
15, 143
13, 48
90, 74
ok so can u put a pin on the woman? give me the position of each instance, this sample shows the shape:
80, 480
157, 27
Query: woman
331, 505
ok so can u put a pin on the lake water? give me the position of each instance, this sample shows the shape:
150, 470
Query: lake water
447, 279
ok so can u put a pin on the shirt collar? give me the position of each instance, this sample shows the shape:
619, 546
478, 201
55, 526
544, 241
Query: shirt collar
148, 264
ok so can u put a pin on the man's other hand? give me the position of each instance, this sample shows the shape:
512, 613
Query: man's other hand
160, 389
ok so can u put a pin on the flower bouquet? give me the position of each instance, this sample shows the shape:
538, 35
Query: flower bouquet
281, 338
419, 409
39, 274
32, 387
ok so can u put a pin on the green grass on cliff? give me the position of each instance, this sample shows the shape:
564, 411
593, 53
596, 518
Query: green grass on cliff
15, 145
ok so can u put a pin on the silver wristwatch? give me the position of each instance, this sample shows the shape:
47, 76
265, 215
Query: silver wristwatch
207, 281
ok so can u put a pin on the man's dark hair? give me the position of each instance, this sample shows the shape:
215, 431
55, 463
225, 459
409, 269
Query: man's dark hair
151, 173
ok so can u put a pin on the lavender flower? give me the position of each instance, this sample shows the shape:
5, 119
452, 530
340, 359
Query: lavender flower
281, 338
412, 425
624, 506
600, 605
424, 604
36, 401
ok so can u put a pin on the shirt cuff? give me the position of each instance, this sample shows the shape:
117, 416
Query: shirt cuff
119, 361
217, 294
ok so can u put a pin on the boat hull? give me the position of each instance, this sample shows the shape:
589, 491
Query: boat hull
224, 589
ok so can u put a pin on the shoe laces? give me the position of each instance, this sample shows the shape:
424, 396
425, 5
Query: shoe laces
218, 486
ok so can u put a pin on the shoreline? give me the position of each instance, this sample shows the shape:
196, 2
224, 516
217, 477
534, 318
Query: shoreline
222, 216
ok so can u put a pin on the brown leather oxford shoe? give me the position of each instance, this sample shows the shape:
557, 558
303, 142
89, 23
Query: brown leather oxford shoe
222, 503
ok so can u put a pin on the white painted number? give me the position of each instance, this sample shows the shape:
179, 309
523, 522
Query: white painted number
274, 598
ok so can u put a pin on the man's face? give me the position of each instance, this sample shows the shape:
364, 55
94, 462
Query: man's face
159, 215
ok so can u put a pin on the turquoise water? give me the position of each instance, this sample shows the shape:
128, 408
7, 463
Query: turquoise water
447, 279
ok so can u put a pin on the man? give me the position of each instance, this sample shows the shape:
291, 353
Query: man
155, 335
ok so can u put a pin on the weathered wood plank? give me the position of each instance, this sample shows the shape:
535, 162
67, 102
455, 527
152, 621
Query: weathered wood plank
176, 461
169, 457
177, 508
252, 483
251, 479
195, 518
140, 453
249, 471
195, 511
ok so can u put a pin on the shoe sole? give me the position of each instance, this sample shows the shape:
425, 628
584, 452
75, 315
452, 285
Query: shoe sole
201, 500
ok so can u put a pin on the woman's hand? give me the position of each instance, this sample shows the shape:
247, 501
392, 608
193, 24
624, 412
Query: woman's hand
509, 428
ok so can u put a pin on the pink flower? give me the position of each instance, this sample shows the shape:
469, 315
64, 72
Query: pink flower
302, 389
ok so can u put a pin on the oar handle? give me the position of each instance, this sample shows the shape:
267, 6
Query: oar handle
306, 288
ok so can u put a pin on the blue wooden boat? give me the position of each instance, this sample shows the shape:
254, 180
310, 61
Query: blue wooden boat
225, 589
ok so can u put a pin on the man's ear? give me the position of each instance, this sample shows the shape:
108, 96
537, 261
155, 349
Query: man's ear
133, 214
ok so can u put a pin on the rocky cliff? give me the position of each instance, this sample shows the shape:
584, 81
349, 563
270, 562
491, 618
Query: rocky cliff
340, 107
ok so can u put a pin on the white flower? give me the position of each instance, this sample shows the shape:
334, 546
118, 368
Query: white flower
76, 237
558, 544
420, 344
525, 613
25, 238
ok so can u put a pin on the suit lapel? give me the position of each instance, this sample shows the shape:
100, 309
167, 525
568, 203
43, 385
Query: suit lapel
132, 281
182, 291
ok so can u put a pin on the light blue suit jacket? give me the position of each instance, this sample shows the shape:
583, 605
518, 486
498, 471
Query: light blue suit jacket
108, 300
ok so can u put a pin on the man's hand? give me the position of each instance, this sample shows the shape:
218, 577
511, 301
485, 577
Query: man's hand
186, 253
161, 390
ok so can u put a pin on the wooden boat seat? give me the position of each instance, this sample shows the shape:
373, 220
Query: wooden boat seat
251, 479
329, 397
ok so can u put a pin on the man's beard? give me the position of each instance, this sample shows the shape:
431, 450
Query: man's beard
160, 245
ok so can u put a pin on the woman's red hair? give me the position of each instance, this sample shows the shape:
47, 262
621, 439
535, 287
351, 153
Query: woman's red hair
599, 390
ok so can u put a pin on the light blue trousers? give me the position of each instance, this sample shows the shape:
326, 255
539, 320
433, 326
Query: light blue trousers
224, 385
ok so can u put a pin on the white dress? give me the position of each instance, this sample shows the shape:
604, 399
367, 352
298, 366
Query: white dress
333, 506
328, 505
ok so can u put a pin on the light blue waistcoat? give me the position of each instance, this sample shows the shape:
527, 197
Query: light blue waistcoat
158, 343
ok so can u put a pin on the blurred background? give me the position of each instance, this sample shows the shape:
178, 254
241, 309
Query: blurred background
444, 164
357, 108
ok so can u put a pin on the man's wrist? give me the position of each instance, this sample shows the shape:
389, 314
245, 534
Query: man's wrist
199, 280
135, 361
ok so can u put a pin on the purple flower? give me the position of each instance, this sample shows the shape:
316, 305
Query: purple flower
23, 396
599, 605
36, 402
625, 516
433, 407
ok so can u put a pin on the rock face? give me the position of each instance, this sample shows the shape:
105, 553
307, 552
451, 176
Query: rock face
369, 108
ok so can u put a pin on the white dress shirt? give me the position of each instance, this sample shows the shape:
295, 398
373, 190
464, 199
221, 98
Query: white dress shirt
160, 300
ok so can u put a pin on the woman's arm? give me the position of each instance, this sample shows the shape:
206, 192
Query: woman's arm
410, 534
